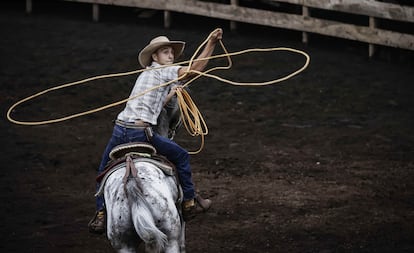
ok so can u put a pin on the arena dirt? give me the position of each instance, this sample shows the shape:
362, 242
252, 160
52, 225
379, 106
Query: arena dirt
321, 163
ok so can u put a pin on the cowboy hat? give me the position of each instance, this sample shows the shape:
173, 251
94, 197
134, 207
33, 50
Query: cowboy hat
145, 56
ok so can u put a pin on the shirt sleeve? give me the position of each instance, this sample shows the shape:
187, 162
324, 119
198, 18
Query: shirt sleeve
170, 73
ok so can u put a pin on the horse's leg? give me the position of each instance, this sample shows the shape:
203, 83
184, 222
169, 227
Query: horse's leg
161, 199
172, 224
170, 247
120, 233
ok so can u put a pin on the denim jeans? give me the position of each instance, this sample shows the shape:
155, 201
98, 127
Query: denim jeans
164, 146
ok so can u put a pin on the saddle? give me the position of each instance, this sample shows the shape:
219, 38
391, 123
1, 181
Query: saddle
130, 153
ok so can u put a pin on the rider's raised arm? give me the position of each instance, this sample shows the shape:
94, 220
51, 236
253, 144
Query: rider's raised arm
199, 65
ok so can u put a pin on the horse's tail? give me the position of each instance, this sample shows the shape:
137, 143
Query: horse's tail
142, 217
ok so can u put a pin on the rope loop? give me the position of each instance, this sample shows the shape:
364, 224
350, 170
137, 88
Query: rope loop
191, 116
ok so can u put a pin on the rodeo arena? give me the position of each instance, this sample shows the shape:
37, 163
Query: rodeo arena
207, 126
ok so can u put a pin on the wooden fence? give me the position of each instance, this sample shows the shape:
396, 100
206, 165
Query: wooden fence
373, 11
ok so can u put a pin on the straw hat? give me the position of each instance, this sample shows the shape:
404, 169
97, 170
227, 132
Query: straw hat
145, 56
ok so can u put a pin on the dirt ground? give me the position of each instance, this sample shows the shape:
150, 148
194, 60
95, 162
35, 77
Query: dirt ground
322, 162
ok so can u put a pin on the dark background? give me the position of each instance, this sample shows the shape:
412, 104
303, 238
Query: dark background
322, 162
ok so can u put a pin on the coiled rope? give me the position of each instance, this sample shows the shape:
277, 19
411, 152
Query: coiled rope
190, 115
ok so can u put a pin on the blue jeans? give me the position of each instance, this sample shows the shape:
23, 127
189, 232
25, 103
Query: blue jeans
164, 146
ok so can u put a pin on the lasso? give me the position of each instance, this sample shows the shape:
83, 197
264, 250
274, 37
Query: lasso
190, 115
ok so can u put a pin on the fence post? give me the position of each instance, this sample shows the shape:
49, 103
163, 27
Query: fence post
29, 6
167, 19
95, 12
305, 13
371, 47
233, 24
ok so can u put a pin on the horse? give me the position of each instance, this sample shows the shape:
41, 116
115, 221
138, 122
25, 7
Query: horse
146, 207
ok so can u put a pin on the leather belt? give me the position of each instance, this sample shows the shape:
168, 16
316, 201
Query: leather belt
139, 124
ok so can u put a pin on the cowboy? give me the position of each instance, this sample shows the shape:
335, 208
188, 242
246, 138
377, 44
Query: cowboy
142, 112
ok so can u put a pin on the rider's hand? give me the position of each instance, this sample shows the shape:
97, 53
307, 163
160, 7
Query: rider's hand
176, 87
216, 35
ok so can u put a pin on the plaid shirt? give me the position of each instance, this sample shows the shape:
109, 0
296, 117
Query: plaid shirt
148, 106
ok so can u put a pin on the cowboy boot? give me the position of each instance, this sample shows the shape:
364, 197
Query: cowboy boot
97, 223
205, 204
192, 208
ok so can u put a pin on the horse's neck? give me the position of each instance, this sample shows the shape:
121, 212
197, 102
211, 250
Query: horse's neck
168, 118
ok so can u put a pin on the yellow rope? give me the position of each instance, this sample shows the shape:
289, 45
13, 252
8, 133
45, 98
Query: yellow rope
191, 116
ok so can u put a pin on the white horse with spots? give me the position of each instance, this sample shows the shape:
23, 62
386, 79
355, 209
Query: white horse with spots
143, 208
